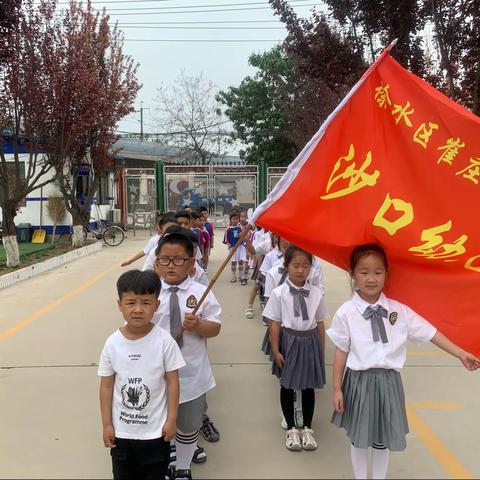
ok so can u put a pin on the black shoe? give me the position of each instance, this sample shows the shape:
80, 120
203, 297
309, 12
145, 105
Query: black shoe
183, 474
200, 455
170, 475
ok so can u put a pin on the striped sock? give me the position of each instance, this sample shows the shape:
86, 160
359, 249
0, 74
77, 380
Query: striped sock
380, 459
186, 445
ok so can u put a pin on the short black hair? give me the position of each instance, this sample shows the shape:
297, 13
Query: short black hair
183, 213
184, 231
176, 238
203, 209
291, 251
196, 215
234, 213
167, 218
140, 283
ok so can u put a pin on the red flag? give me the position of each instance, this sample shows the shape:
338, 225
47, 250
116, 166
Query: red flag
397, 163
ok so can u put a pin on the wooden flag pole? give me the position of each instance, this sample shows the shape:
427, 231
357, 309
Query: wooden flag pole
215, 277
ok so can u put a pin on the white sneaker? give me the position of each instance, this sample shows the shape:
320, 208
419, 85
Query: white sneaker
299, 418
283, 423
292, 440
308, 440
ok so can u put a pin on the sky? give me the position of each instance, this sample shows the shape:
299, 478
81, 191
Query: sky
237, 27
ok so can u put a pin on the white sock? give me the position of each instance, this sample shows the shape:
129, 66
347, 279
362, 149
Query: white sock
359, 462
298, 400
186, 446
380, 463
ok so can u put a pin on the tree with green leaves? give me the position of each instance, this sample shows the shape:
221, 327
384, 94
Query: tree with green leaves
295, 88
254, 110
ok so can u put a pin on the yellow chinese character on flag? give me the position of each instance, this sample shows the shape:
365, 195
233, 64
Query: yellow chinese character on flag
423, 134
357, 177
403, 112
399, 205
382, 97
450, 150
434, 248
473, 170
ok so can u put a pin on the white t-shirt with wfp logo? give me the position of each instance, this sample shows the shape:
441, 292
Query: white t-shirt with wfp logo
139, 406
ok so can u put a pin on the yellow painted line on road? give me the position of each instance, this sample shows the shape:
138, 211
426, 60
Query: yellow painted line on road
436, 447
439, 405
47, 308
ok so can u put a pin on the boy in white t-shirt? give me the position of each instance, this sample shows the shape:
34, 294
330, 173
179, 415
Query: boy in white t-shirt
139, 387
178, 297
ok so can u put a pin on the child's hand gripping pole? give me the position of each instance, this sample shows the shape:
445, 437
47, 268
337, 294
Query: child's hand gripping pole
215, 277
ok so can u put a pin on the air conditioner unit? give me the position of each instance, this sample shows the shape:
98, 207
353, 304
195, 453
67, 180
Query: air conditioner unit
115, 215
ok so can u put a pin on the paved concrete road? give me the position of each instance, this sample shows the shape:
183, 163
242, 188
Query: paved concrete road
52, 328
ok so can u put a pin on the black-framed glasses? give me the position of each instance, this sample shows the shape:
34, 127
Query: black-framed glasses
177, 261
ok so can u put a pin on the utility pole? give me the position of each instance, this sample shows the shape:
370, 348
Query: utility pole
142, 108
141, 120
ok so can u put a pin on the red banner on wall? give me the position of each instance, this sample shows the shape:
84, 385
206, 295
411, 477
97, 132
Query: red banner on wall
397, 163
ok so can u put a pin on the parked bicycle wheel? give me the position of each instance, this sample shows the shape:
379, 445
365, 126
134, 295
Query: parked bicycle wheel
113, 235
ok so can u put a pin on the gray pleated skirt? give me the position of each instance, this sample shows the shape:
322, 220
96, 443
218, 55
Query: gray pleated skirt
266, 347
374, 408
304, 363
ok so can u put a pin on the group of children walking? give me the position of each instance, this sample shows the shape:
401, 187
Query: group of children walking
154, 381
369, 334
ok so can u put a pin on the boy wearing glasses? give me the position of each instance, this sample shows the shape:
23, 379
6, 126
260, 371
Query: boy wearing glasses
178, 297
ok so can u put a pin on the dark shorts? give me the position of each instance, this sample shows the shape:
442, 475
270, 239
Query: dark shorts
140, 459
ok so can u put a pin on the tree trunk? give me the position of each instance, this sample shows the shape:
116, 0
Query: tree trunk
9, 236
11, 249
53, 233
77, 236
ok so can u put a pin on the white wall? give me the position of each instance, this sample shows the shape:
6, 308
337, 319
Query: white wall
31, 212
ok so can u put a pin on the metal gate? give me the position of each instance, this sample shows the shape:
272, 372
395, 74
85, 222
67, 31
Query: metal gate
274, 174
140, 196
219, 188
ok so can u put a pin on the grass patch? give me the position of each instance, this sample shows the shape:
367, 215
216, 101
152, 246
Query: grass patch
25, 250
31, 253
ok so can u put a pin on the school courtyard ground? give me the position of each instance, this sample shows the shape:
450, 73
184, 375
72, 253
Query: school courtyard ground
52, 329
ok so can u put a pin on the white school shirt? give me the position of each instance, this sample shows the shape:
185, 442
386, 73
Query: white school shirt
196, 376
262, 242
279, 307
149, 261
152, 244
200, 276
352, 333
139, 406
272, 278
271, 259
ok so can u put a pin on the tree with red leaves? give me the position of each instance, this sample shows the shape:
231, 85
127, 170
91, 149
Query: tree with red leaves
23, 117
65, 86
95, 86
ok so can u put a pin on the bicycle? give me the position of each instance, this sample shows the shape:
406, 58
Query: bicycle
112, 235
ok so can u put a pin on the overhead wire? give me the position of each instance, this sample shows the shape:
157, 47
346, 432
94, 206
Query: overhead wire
213, 5
202, 40
204, 11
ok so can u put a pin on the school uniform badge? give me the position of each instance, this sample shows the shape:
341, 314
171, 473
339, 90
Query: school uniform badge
392, 318
191, 301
